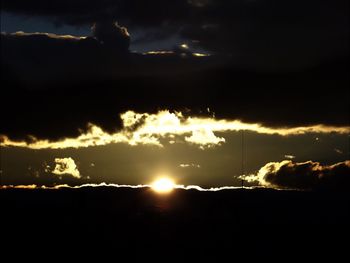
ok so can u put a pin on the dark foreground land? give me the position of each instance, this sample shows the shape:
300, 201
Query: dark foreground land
138, 223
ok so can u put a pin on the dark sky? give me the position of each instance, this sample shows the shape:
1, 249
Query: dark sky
277, 71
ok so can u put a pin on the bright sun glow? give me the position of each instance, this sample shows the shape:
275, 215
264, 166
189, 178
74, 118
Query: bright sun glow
163, 185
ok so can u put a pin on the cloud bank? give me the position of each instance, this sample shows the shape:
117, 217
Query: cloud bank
152, 129
306, 175
69, 76
260, 33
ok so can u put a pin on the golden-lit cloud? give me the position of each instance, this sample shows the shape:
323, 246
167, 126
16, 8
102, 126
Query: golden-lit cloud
200, 55
66, 166
183, 46
94, 136
204, 137
154, 129
20, 186
159, 52
289, 156
50, 35
188, 165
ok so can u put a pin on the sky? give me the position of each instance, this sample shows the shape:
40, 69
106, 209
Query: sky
205, 92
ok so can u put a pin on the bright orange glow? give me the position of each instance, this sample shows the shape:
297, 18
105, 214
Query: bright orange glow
163, 185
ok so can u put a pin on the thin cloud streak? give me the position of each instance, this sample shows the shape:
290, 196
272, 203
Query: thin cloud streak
189, 165
63, 186
50, 35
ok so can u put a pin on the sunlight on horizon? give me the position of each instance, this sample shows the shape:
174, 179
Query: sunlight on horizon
163, 185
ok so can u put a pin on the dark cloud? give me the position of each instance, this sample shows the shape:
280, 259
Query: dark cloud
273, 34
307, 175
54, 85
112, 35
267, 34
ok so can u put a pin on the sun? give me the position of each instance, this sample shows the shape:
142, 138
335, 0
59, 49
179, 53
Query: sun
163, 185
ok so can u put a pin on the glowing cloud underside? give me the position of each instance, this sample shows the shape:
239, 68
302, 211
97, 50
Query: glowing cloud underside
144, 128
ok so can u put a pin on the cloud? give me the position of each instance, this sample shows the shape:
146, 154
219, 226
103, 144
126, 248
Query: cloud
204, 137
60, 57
66, 166
29, 186
263, 34
286, 174
151, 129
289, 156
43, 35
188, 165
338, 151
69, 76
306, 175
187, 187
112, 35
106, 33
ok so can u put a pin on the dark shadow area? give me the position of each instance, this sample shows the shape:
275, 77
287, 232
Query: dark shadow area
138, 223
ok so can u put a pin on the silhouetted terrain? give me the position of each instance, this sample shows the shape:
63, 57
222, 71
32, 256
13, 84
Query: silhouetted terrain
138, 223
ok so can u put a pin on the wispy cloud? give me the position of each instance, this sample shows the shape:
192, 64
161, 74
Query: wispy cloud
338, 151
289, 156
189, 165
145, 128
